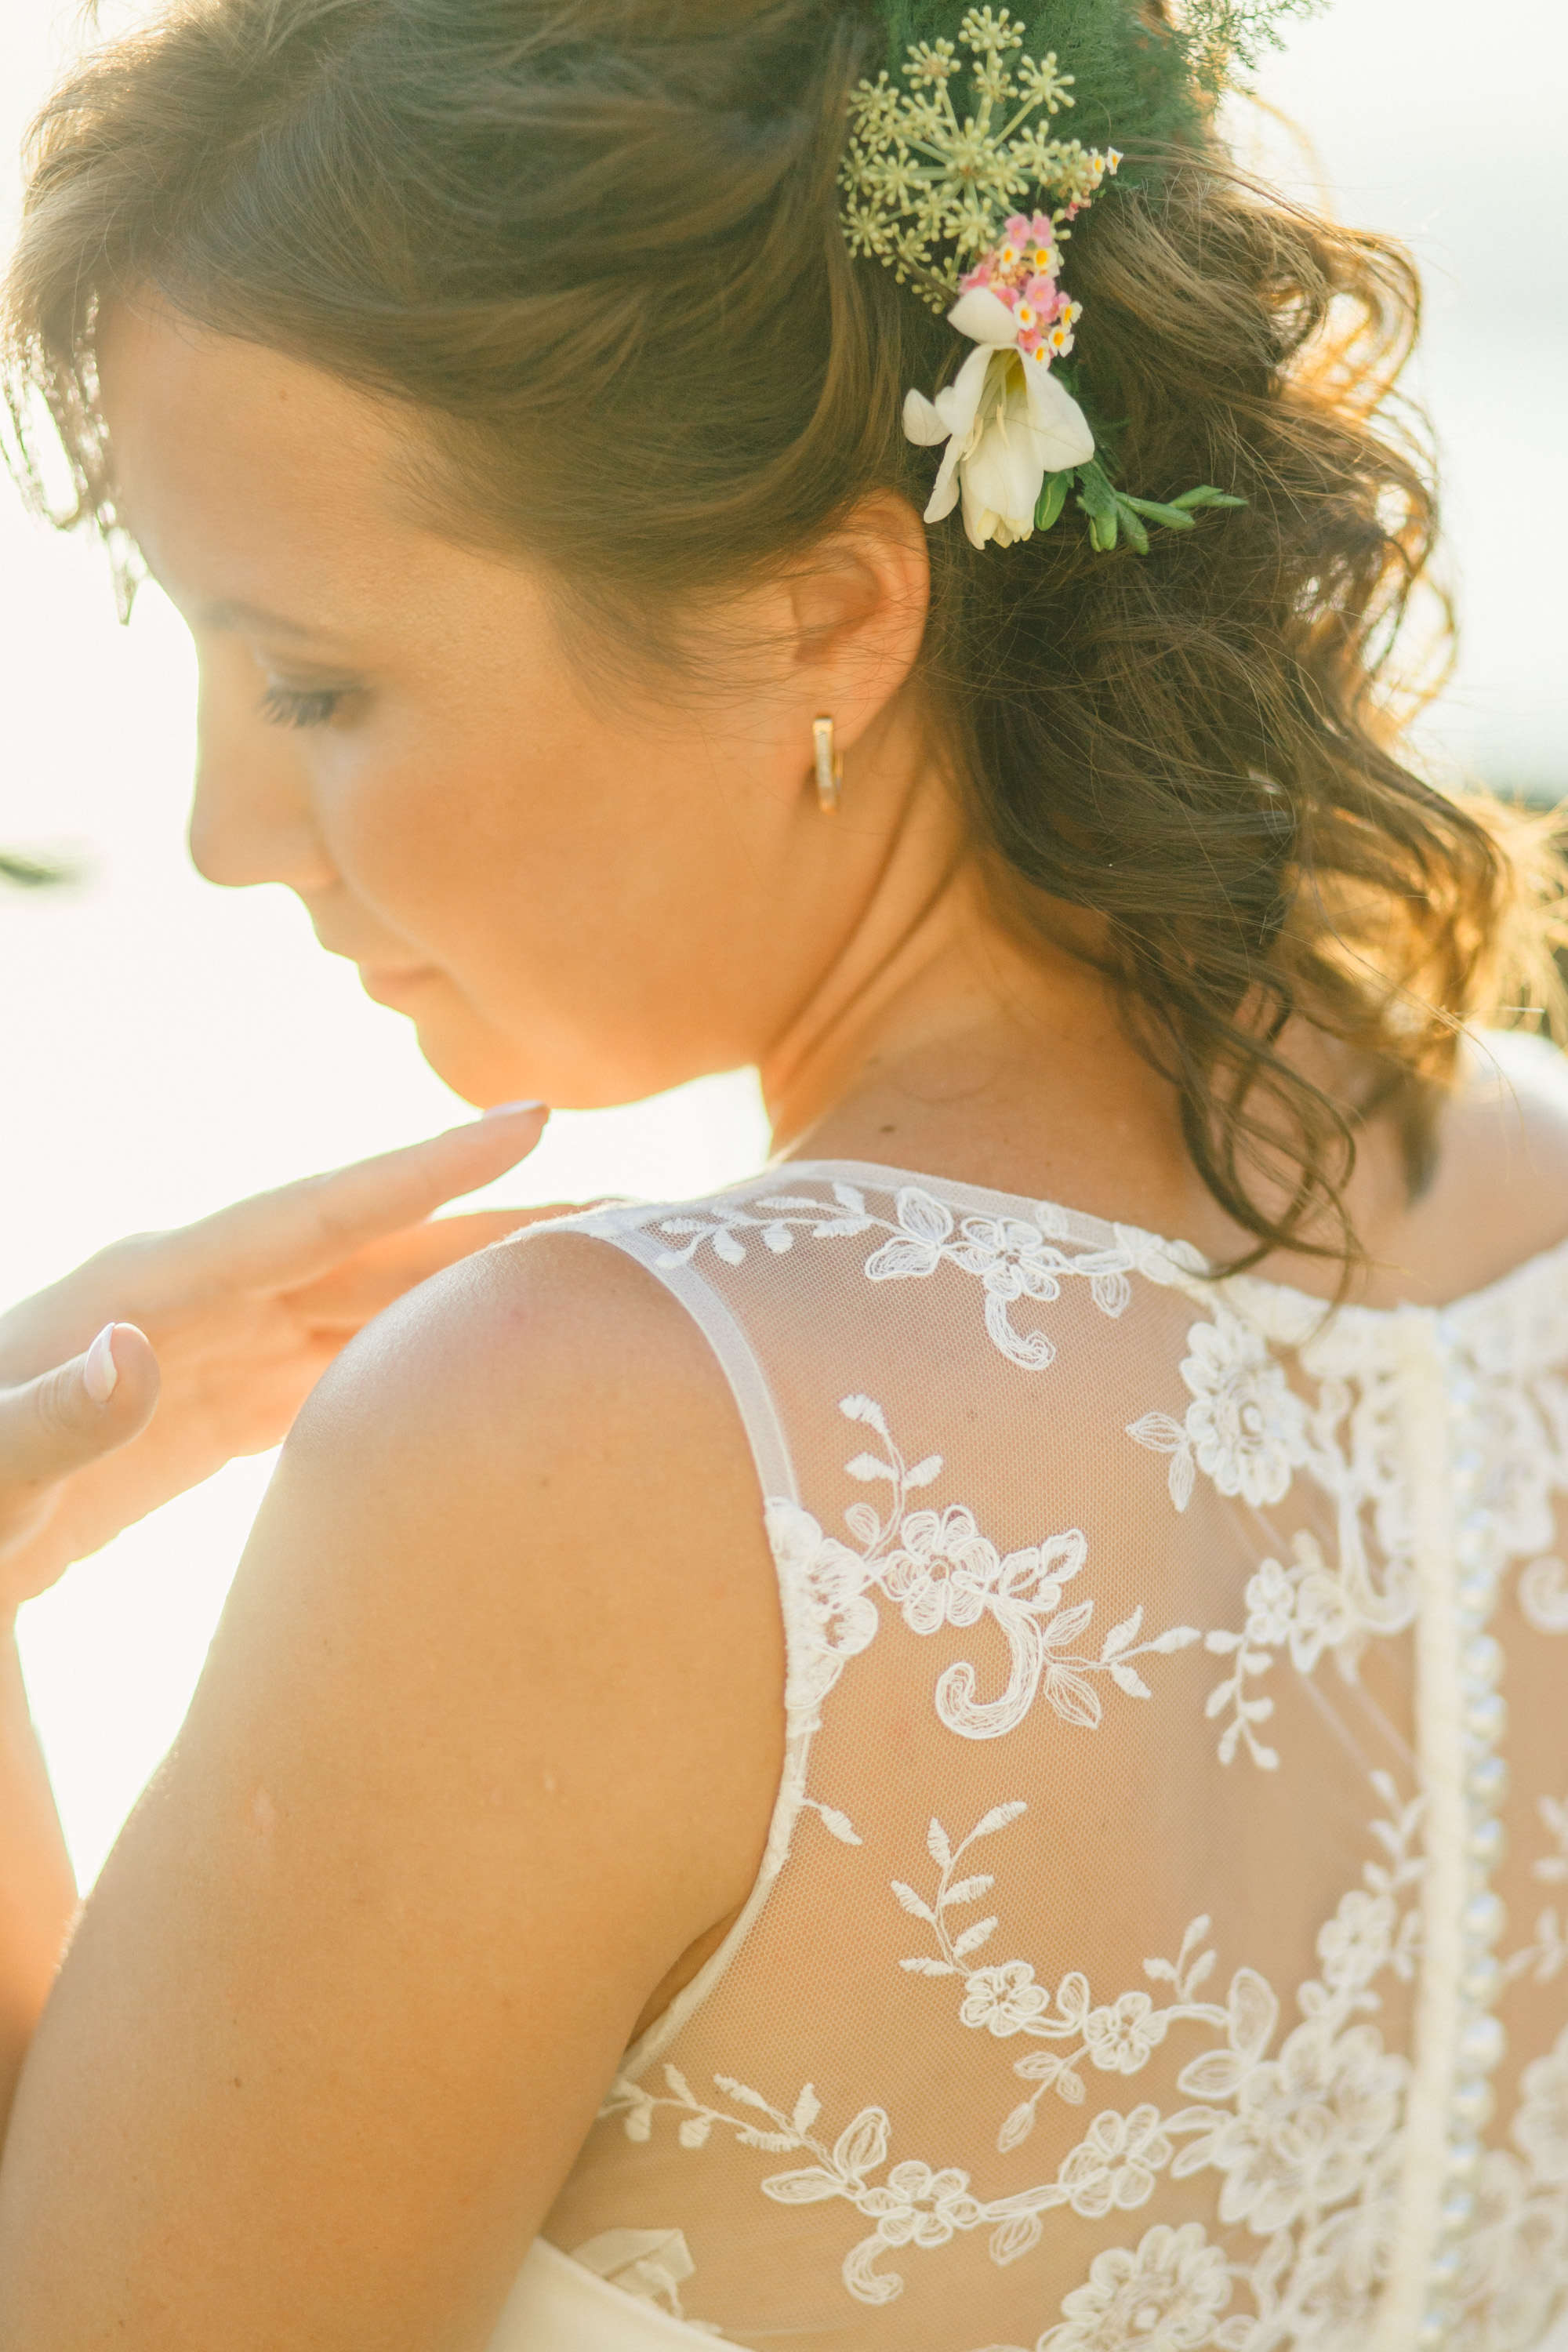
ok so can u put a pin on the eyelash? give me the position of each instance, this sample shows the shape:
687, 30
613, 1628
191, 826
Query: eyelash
284, 707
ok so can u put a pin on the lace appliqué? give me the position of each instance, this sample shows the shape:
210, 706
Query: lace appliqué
1013, 1258
1303, 2139
1309, 2129
1245, 1428
937, 1568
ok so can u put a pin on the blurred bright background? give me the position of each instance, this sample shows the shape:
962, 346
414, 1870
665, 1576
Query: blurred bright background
166, 1046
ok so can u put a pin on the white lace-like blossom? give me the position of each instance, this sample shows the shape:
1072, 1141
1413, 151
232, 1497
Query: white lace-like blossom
1163, 2295
1116, 2162
1004, 2000
1121, 2037
1246, 1424
832, 1616
1305, 2127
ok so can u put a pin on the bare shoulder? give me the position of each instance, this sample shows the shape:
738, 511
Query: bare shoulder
484, 1749
552, 1350
544, 1434
1499, 1195
538, 1451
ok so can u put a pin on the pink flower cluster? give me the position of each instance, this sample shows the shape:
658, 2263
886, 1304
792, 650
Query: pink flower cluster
1022, 272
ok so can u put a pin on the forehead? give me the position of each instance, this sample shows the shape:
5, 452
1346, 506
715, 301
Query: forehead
229, 454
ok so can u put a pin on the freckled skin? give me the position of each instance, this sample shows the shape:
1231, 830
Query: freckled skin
588, 886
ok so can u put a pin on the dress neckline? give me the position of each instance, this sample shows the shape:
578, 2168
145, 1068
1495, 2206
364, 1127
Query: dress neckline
1518, 1286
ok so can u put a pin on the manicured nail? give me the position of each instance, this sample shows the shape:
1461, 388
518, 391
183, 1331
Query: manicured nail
99, 1372
504, 1111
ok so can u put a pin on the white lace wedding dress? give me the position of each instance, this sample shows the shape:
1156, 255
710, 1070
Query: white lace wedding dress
1163, 1940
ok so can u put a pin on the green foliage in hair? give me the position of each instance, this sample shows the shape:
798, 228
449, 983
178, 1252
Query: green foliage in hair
1138, 84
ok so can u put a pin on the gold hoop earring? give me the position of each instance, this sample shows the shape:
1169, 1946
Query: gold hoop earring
829, 762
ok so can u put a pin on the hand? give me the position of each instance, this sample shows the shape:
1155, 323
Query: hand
168, 1354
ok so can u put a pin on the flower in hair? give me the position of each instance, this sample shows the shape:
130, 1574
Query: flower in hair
919, 176
1007, 420
928, 190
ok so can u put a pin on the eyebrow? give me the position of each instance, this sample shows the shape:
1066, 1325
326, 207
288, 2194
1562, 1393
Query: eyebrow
230, 615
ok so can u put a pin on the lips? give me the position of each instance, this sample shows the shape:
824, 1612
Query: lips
340, 928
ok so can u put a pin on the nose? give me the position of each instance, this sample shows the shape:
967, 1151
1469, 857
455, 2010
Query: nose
251, 814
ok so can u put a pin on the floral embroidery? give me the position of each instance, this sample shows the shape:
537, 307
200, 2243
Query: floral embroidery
1114, 2167
1299, 2133
1116, 2037
1303, 1609
1165, 2295
1003, 2000
1245, 1426
1013, 1258
1513, 2260
913, 2206
940, 1570
1116, 2161
1293, 2135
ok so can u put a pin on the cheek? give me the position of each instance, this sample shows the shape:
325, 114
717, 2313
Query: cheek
593, 904
534, 868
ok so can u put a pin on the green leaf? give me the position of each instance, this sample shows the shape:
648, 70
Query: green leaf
1172, 518
1097, 498
1099, 502
1205, 495
1132, 524
1053, 496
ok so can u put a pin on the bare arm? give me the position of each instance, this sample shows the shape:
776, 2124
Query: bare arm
488, 1742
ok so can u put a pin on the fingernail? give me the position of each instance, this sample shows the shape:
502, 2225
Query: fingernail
99, 1372
503, 1110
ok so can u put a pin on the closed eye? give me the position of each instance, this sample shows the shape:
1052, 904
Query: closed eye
283, 706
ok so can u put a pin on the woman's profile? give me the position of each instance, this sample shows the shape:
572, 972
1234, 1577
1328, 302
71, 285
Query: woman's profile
958, 1748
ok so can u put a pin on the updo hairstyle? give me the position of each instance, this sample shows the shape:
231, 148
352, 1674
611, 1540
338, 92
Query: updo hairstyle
595, 243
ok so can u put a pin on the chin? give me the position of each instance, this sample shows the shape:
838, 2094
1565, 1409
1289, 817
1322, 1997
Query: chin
479, 1066
483, 1065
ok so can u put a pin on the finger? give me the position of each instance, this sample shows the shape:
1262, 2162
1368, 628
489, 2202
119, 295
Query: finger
72, 1416
361, 1285
282, 1238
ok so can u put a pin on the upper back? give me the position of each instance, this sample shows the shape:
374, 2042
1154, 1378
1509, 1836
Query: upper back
1150, 1949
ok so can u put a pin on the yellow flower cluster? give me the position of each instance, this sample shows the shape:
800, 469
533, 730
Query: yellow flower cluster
919, 177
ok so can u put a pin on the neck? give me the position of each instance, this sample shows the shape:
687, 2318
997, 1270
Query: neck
930, 1002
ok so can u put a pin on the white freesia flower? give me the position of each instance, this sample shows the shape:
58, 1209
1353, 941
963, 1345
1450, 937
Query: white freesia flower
1007, 423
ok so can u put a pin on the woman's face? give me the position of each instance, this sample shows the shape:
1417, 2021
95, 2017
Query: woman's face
575, 889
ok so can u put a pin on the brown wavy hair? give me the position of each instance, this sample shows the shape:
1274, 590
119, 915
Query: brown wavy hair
595, 245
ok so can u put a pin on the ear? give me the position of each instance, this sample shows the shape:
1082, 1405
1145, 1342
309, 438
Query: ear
858, 605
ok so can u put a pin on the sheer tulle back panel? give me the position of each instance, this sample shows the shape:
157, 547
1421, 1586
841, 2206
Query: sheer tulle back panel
1080, 2002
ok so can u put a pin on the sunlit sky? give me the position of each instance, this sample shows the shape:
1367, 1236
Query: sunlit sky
169, 1046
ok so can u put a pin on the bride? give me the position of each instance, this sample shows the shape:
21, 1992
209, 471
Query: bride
959, 1748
